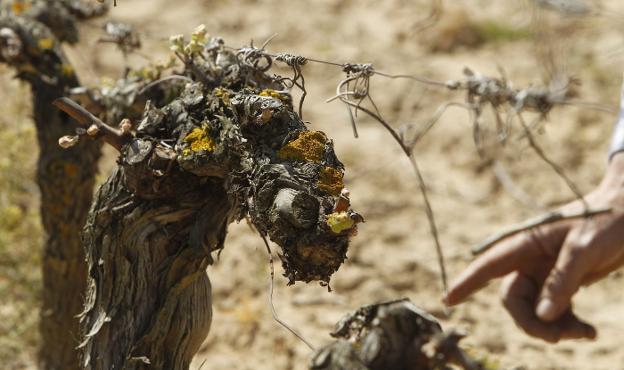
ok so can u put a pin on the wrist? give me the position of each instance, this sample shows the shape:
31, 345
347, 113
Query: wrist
615, 169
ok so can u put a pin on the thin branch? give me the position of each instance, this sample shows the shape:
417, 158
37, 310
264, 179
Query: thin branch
115, 137
433, 120
424, 80
273, 312
298, 80
510, 186
532, 223
164, 79
437, 8
353, 123
589, 105
199, 74
540, 152
202, 364
432, 223
421, 184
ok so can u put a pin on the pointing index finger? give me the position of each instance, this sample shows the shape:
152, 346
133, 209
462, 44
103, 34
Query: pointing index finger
506, 256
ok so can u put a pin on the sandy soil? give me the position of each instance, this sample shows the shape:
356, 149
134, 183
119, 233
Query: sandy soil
393, 255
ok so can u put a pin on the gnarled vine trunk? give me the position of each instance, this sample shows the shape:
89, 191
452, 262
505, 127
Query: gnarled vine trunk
30, 37
226, 146
149, 303
66, 180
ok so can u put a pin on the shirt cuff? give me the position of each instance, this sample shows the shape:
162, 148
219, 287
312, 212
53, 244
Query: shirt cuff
617, 141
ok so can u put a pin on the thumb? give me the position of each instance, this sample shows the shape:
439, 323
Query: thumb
563, 281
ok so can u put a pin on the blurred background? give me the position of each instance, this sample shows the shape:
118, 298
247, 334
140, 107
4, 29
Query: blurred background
393, 256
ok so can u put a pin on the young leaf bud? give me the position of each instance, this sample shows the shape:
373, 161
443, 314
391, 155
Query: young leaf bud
125, 126
93, 130
68, 141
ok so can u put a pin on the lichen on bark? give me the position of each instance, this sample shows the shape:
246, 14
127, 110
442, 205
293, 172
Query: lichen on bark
196, 162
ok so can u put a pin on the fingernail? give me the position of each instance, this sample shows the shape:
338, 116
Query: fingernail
546, 310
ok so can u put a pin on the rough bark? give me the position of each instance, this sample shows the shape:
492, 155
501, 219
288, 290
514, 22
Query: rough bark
226, 147
148, 303
66, 180
30, 37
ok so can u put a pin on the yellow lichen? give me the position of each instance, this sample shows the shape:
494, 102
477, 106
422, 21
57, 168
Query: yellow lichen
107, 82
10, 216
487, 362
308, 146
274, 94
330, 180
222, 94
198, 141
339, 222
199, 39
45, 43
67, 70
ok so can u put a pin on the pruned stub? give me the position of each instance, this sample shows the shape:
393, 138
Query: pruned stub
243, 130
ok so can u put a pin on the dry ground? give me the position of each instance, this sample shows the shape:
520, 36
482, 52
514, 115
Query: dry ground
393, 254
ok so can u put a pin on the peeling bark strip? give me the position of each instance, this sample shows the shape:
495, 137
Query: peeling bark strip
393, 335
30, 37
225, 147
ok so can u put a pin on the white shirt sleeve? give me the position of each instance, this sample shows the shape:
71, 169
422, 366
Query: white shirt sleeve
617, 141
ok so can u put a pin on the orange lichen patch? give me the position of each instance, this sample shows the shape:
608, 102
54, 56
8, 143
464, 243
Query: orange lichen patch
330, 181
308, 146
266, 116
274, 94
316, 254
198, 141
20, 6
70, 170
339, 222
222, 94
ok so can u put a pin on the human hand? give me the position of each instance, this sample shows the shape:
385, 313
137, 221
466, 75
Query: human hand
544, 268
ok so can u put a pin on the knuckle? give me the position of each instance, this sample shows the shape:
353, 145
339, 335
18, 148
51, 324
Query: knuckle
536, 237
577, 248
555, 281
581, 239
558, 286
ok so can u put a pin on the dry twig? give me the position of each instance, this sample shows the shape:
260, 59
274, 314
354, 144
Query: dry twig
532, 223
115, 137
271, 286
